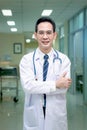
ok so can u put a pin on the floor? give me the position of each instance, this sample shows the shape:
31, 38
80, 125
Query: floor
77, 112
11, 113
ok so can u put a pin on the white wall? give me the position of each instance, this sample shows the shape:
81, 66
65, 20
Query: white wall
6, 47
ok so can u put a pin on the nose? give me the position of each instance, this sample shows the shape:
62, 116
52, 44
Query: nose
45, 35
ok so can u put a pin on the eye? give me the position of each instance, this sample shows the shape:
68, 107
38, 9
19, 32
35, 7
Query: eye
41, 32
49, 32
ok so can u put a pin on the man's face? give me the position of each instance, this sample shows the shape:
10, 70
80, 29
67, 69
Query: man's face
45, 36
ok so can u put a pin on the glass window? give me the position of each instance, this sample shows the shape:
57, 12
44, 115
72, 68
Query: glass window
71, 26
86, 16
76, 23
81, 20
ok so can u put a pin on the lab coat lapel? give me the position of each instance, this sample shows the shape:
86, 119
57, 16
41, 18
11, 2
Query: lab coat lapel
38, 58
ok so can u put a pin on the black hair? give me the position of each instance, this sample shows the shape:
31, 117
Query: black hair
45, 19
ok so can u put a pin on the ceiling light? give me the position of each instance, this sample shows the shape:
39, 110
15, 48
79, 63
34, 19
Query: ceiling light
14, 29
46, 12
11, 23
28, 40
7, 12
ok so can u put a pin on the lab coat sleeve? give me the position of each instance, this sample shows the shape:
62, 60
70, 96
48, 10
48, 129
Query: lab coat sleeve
28, 82
66, 67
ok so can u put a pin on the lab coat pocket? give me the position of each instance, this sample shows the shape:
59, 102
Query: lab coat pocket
30, 117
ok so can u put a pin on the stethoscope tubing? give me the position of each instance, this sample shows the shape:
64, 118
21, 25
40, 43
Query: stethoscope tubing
56, 57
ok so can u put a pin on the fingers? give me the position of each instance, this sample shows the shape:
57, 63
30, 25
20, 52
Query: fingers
64, 74
69, 81
63, 81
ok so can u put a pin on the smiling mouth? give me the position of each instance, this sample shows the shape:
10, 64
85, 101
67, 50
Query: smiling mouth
45, 42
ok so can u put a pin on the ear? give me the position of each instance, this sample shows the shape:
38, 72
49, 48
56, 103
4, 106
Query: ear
35, 34
55, 35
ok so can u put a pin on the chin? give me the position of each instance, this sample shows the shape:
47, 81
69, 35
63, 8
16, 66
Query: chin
46, 45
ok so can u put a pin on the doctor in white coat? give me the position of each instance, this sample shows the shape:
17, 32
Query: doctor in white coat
55, 87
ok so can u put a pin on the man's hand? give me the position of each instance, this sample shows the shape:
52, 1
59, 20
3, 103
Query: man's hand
63, 82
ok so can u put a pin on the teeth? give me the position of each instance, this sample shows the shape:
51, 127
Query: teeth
45, 42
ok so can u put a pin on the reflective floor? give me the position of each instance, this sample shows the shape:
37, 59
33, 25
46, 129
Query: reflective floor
11, 113
77, 112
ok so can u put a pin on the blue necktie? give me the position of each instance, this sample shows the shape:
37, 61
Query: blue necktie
45, 69
45, 66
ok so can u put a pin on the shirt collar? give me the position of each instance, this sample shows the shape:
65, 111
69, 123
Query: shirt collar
41, 54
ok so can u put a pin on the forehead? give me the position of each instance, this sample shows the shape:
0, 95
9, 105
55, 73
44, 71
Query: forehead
45, 26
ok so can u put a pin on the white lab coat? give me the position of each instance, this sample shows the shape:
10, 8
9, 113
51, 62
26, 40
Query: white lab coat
56, 113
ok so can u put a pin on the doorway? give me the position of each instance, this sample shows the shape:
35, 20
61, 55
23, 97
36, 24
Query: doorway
76, 56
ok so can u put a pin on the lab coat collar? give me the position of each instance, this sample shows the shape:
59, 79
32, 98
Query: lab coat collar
41, 54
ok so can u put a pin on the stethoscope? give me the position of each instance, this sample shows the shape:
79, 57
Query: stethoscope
56, 57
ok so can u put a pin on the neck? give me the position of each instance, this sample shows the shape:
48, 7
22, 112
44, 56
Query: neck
45, 51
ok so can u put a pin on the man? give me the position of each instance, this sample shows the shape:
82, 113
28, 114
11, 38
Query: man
45, 98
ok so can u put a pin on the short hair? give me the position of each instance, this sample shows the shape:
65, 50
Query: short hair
45, 19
